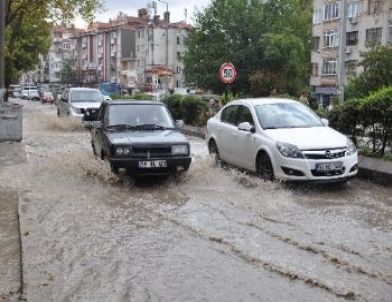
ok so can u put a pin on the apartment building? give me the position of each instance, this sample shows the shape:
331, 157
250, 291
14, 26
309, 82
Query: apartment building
341, 31
136, 52
63, 48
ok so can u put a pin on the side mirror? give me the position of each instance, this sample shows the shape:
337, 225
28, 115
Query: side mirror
245, 126
325, 122
179, 124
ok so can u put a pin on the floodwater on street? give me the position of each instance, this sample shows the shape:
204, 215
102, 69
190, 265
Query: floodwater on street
211, 234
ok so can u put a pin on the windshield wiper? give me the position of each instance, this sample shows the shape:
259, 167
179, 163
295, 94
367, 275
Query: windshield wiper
120, 126
151, 127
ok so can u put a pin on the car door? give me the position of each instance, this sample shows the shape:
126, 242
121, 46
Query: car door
227, 130
97, 132
244, 143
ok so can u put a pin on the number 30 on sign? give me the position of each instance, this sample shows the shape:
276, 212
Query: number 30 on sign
227, 73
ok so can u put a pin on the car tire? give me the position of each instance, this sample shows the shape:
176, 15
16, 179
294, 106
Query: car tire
264, 167
112, 168
58, 112
213, 149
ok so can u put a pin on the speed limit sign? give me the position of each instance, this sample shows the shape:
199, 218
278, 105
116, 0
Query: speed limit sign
227, 73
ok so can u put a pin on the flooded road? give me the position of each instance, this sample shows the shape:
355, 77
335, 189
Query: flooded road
210, 235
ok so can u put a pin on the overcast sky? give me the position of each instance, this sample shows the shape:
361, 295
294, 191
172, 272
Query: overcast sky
130, 7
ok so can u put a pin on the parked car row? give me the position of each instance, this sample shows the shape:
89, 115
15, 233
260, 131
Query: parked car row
275, 138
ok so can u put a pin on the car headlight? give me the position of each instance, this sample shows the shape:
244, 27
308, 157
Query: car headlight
289, 150
351, 149
180, 149
122, 151
77, 110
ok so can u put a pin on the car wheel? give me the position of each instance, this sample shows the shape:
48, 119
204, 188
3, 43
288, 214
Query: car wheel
112, 168
264, 167
58, 112
213, 149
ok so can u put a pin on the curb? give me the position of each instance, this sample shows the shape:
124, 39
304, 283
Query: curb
194, 131
374, 169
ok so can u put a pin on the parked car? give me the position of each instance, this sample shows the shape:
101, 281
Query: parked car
281, 139
140, 137
30, 94
47, 97
15, 90
82, 103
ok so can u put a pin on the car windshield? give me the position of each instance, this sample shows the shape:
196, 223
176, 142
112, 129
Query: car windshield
286, 115
143, 116
86, 96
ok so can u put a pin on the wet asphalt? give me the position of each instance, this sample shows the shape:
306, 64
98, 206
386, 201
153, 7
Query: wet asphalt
211, 234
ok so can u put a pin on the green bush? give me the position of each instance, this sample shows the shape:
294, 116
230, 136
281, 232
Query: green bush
141, 96
193, 110
370, 116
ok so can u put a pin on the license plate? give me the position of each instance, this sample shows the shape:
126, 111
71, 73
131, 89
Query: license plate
152, 164
332, 166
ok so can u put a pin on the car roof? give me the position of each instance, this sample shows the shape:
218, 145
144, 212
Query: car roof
262, 101
83, 89
133, 102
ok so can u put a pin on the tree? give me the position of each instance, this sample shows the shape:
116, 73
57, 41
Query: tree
377, 72
28, 25
260, 37
68, 73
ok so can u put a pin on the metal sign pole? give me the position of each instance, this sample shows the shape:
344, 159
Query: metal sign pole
2, 44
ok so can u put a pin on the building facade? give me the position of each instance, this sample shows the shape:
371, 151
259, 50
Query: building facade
341, 31
136, 52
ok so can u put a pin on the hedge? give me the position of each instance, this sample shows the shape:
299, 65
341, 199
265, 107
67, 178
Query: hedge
370, 117
193, 110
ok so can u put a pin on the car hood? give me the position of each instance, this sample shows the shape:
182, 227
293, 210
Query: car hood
309, 138
146, 137
84, 105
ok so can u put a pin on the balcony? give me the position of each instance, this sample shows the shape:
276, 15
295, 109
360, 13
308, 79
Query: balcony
329, 79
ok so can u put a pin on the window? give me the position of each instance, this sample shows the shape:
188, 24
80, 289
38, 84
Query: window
373, 35
331, 11
318, 16
331, 38
329, 67
178, 40
374, 7
229, 115
316, 43
67, 46
245, 116
178, 55
352, 38
351, 67
178, 70
314, 69
352, 9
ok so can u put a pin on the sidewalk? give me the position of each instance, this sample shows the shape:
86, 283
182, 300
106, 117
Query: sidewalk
10, 264
376, 170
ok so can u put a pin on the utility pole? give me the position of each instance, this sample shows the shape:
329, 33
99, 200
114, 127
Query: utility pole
2, 44
342, 51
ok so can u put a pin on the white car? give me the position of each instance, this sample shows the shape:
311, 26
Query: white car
82, 103
280, 139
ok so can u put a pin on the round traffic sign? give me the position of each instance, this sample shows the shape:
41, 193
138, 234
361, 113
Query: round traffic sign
227, 73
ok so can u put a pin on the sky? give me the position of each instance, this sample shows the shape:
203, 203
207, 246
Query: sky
130, 7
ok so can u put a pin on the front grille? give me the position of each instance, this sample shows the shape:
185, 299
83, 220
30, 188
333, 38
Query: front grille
90, 114
324, 154
328, 173
151, 152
